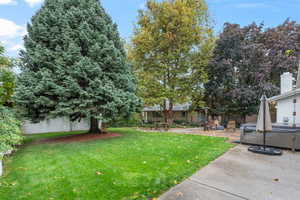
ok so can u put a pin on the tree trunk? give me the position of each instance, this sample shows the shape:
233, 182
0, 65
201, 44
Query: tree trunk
168, 112
94, 127
244, 118
103, 127
168, 116
165, 116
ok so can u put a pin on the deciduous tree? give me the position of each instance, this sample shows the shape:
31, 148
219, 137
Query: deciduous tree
7, 80
170, 49
247, 62
4, 61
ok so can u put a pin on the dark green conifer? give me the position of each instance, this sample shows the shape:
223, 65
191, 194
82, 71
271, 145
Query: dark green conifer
74, 64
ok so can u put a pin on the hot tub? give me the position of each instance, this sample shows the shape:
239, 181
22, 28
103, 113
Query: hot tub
281, 136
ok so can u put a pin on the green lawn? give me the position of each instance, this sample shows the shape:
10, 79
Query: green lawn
136, 166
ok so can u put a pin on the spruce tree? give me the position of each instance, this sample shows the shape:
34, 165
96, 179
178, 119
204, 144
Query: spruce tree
74, 64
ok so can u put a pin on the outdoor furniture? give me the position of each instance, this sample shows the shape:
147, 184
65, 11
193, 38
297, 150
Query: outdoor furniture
210, 125
281, 136
220, 128
263, 126
164, 126
231, 126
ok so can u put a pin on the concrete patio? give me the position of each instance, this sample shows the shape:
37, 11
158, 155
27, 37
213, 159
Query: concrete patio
239, 174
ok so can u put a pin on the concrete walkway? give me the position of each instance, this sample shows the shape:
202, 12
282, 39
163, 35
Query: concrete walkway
240, 175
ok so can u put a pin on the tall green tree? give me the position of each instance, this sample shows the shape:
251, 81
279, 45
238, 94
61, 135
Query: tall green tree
171, 47
74, 64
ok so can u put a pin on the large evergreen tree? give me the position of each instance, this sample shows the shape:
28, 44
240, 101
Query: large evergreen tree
75, 65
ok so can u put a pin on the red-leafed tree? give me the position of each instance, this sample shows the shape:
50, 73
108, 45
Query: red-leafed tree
247, 62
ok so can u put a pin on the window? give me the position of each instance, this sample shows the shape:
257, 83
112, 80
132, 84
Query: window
157, 114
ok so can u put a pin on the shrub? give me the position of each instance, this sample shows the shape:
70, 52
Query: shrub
7, 85
10, 132
178, 123
133, 120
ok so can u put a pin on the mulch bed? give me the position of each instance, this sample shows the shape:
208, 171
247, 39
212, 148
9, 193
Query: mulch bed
79, 138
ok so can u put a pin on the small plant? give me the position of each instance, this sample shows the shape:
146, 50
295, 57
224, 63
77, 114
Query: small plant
10, 132
134, 120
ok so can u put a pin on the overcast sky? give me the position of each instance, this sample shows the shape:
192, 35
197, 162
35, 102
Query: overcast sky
15, 14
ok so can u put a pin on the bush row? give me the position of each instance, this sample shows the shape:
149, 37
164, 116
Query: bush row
10, 132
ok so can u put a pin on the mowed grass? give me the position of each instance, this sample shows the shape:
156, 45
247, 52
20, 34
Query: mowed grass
137, 165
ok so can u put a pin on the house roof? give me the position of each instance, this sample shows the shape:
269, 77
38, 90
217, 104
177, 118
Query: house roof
285, 95
178, 107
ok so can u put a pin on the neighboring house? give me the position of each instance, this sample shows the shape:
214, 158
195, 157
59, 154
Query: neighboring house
288, 102
181, 113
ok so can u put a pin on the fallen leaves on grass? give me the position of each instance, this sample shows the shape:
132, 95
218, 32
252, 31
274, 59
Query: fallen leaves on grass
22, 168
99, 173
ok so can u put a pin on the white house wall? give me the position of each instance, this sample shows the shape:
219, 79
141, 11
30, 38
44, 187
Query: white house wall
285, 108
80, 126
298, 110
54, 125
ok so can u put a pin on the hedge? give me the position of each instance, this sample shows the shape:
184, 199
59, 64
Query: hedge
10, 132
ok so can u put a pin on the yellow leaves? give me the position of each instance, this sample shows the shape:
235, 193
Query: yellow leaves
22, 168
169, 20
14, 183
170, 36
171, 39
289, 52
99, 173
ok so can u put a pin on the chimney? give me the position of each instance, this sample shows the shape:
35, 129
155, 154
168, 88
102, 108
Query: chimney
298, 78
286, 82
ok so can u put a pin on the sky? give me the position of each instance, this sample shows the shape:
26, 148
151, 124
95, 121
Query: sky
15, 14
